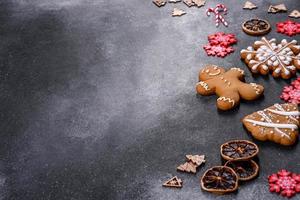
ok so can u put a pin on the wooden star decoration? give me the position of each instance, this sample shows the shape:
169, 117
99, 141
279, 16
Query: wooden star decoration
178, 12
189, 3
249, 5
159, 3
295, 14
199, 3
277, 8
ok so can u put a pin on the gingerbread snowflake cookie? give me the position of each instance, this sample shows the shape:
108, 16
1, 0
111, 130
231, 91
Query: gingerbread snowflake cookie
278, 123
281, 59
229, 86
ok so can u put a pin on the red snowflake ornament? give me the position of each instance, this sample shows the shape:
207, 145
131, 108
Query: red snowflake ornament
288, 27
217, 50
285, 183
291, 93
223, 39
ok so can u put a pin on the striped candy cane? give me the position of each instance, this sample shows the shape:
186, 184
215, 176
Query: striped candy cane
218, 17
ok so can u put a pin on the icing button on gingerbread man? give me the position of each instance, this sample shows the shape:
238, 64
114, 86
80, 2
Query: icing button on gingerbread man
229, 86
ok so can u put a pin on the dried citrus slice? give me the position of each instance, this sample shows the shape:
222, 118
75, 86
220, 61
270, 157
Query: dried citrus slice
256, 27
239, 150
219, 179
245, 169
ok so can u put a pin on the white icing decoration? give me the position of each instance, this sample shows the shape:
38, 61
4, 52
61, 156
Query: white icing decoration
226, 99
204, 85
272, 125
255, 87
216, 73
279, 107
238, 69
292, 113
269, 121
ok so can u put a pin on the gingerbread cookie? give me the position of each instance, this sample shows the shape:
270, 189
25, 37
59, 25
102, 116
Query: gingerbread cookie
229, 86
278, 123
265, 55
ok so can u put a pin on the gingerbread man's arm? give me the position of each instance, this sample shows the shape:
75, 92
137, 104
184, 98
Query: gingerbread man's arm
206, 87
250, 91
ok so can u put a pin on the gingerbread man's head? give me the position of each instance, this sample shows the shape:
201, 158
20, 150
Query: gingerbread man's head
210, 71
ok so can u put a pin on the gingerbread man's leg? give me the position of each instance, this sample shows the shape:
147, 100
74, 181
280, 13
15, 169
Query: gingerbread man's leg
228, 100
205, 88
250, 91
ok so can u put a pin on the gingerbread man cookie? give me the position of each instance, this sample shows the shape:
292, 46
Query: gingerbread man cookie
229, 86
278, 123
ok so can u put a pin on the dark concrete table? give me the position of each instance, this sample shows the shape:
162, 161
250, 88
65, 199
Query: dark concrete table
98, 100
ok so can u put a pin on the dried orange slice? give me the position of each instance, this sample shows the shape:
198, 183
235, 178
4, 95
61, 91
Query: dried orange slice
239, 150
245, 169
219, 179
256, 27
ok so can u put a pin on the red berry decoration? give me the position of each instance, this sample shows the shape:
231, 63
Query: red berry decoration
291, 93
223, 39
285, 183
288, 27
217, 50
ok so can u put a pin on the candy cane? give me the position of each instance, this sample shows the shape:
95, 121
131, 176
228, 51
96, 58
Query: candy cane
218, 17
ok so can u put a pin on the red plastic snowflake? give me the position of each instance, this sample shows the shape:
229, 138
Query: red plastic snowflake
222, 39
291, 93
288, 27
217, 50
285, 183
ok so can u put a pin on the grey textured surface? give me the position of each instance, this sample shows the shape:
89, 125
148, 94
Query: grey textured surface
98, 100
